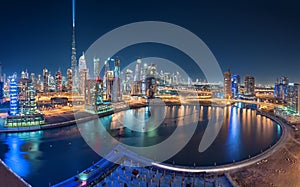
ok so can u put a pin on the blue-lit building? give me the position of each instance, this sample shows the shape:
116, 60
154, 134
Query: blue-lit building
13, 95
23, 110
281, 90
1, 91
235, 86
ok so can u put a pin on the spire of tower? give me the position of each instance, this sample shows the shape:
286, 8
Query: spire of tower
73, 57
73, 12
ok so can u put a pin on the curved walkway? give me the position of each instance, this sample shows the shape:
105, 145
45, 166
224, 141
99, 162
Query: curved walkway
224, 168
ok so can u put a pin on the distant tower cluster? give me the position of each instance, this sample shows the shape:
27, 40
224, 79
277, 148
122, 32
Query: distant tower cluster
145, 80
112, 81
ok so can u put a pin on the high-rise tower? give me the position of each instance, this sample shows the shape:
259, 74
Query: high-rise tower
249, 86
96, 68
73, 57
227, 85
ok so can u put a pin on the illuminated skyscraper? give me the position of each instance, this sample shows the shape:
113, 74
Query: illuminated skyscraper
109, 85
33, 80
281, 89
136, 88
69, 80
83, 74
96, 68
293, 97
73, 57
51, 82
144, 76
138, 71
13, 95
27, 101
227, 85
58, 81
1, 78
116, 91
39, 83
128, 80
1, 91
1, 85
45, 80
151, 86
93, 96
235, 89
249, 86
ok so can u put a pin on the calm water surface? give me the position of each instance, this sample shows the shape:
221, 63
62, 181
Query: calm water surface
50, 156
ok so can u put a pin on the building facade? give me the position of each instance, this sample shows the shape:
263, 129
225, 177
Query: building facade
227, 85
249, 86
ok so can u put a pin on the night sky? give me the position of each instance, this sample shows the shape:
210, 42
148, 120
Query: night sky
260, 38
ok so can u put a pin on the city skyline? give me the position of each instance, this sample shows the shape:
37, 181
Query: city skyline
260, 35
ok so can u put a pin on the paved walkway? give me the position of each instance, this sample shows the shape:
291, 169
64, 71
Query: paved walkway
9, 178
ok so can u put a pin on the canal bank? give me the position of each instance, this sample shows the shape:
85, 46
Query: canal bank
10, 178
236, 165
71, 118
70, 143
215, 170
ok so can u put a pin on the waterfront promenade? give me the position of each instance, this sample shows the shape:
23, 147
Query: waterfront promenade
9, 178
282, 168
278, 161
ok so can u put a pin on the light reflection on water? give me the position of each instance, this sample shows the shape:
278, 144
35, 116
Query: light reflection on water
54, 155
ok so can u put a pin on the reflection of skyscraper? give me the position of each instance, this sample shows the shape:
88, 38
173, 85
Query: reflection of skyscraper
249, 86
45, 80
96, 68
227, 85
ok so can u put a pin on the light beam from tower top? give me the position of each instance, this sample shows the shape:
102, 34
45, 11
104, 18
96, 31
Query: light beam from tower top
73, 12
